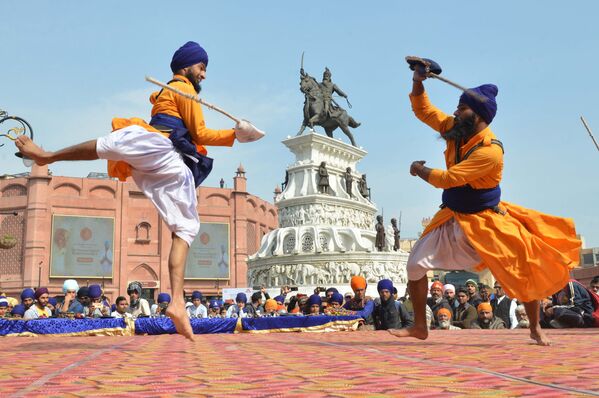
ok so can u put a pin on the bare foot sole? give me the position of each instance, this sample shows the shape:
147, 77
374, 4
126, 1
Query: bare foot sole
31, 151
540, 337
181, 321
418, 333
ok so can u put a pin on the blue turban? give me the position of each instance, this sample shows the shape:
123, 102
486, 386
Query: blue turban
188, 54
95, 291
164, 297
214, 304
241, 298
280, 299
196, 295
336, 298
385, 284
27, 293
18, 309
331, 289
314, 299
3, 301
52, 301
485, 109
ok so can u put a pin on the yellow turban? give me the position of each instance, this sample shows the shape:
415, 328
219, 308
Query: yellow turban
358, 282
12, 301
270, 305
484, 307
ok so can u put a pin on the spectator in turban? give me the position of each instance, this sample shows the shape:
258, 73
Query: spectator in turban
270, 307
197, 309
388, 313
214, 309
70, 287
444, 316
449, 294
437, 301
159, 309
237, 310
314, 304
96, 308
280, 299
39, 309
336, 301
486, 319
360, 304
18, 311
3, 306
27, 297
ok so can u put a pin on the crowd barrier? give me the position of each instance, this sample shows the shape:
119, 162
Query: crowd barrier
155, 326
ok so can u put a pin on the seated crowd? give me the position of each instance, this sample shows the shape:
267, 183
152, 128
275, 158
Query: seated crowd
470, 307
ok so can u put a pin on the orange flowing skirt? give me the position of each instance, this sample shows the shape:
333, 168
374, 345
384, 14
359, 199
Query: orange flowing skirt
529, 253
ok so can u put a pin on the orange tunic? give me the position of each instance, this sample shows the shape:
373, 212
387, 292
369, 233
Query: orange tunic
530, 253
185, 109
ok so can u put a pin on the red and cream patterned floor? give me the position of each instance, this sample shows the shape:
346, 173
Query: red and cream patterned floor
341, 364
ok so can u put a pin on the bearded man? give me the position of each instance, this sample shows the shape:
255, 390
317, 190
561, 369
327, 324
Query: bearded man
486, 318
529, 253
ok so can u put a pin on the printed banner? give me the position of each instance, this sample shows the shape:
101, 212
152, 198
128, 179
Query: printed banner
82, 246
208, 256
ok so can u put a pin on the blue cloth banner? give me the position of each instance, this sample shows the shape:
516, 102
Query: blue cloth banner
58, 325
199, 326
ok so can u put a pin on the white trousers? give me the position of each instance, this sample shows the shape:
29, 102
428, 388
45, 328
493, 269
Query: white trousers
446, 248
159, 171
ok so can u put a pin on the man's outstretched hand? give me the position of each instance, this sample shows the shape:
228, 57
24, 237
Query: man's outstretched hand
247, 132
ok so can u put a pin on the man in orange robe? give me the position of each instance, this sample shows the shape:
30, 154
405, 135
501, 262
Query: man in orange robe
528, 252
166, 159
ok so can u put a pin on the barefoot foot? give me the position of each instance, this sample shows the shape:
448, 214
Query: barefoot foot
179, 317
419, 333
31, 151
538, 335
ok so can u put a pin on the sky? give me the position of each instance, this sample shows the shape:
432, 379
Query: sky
69, 67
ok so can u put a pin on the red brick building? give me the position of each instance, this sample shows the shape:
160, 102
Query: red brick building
141, 241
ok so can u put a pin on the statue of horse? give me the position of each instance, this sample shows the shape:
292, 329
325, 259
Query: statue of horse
314, 111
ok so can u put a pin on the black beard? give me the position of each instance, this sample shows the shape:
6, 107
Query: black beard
462, 128
196, 85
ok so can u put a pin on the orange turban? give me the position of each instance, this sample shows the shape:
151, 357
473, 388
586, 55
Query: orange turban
484, 307
437, 284
270, 305
358, 282
444, 311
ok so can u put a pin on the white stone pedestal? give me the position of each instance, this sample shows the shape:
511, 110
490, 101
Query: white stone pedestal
323, 239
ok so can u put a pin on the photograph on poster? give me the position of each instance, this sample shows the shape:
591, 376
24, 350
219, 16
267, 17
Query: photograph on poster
81, 246
208, 256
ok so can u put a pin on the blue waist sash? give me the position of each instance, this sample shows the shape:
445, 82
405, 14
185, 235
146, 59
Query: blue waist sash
466, 199
181, 139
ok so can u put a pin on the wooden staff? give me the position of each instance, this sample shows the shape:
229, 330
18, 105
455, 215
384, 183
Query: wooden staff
192, 97
589, 131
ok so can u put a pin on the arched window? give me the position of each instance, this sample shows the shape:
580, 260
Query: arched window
289, 244
307, 243
142, 232
324, 241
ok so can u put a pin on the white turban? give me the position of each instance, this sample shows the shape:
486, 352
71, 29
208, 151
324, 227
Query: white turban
449, 286
70, 284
